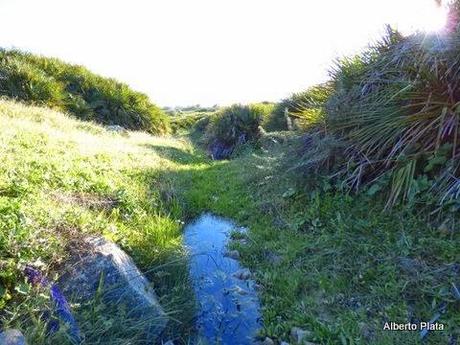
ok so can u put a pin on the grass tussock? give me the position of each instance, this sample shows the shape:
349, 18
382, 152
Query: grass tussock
388, 121
232, 127
185, 123
299, 110
395, 108
74, 89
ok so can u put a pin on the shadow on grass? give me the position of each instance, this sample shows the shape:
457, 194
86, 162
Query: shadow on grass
177, 155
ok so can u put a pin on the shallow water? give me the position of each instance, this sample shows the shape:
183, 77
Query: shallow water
228, 307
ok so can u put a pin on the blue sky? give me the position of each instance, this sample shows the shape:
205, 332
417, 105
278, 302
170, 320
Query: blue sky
183, 52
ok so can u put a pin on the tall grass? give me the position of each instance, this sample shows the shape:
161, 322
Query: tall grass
51, 82
303, 107
393, 118
62, 179
396, 108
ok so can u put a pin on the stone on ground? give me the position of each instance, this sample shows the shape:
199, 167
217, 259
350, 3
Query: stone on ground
232, 254
243, 274
98, 267
299, 335
268, 341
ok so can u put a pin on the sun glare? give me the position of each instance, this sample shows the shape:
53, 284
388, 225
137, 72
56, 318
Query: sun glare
182, 73
433, 19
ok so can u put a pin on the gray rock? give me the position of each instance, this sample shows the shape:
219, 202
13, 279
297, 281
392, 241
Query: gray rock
12, 337
236, 290
242, 241
366, 331
284, 343
411, 266
299, 335
117, 128
232, 254
273, 258
243, 274
268, 341
98, 267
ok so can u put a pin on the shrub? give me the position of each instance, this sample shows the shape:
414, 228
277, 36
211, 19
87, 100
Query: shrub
265, 109
186, 122
232, 126
51, 82
395, 112
302, 107
27, 82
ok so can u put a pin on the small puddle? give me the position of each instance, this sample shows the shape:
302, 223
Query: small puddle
228, 305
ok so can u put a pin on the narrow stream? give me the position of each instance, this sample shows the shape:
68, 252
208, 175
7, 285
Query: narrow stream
228, 304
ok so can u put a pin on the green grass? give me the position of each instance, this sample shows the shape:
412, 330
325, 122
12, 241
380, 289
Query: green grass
232, 128
303, 108
61, 178
185, 122
328, 262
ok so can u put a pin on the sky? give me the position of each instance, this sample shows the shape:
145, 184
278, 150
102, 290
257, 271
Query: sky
184, 52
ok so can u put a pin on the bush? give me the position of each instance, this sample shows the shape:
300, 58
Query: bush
232, 126
186, 122
265, 109
51, 82
303, 107
395, 111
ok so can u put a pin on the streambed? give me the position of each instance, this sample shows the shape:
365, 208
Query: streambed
228, 306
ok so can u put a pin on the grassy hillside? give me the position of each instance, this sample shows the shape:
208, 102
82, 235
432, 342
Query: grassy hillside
62, 178
54, 83
353, 216
325, 261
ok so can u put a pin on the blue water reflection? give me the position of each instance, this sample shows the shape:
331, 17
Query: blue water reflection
228, 306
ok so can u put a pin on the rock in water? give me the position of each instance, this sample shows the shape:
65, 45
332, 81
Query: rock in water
243, 274
12, 337
268, 341
232, 254
100, 269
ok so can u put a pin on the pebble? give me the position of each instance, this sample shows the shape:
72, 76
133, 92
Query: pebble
268, 341
299, 335
237, 290
243, 274
232, 254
